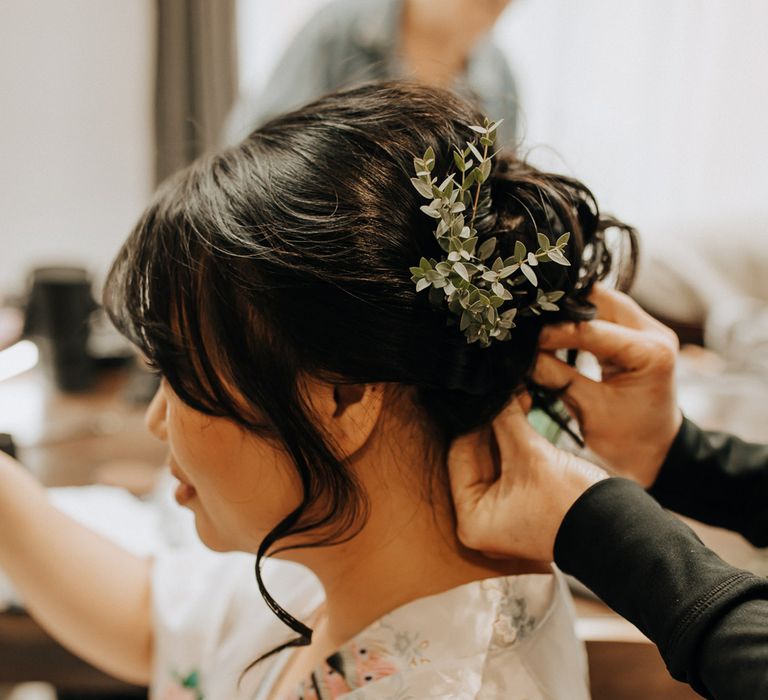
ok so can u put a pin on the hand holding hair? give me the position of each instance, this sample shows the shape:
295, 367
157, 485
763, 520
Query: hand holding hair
630, 417
514, 506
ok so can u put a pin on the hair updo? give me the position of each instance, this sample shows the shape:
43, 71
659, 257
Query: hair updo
290, 253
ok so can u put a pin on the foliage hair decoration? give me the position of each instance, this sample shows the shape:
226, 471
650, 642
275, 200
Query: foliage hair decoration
480, 293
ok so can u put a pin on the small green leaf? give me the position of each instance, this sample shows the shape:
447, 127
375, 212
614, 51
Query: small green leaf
529, 274
498, 289
445, 183
487, 249
422, 187
509, 314
466, 319
556, 256
543, 241
520, 251
475, 152
479, 129
429, 211
461, 271
429, 154
422, 284
532, 260
459, 160
563, 239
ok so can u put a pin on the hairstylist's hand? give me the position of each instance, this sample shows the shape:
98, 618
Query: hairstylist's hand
514, 506
630, 418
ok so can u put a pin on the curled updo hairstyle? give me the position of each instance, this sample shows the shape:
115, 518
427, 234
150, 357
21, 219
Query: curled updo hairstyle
289, 254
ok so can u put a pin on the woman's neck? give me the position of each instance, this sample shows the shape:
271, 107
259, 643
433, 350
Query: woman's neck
407, 549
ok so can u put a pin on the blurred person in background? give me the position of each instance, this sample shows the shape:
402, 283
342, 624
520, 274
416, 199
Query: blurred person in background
445, 43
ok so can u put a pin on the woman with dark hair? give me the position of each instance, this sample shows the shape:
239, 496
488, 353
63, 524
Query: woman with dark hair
310, 392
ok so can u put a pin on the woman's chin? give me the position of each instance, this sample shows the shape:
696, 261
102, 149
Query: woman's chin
210, 538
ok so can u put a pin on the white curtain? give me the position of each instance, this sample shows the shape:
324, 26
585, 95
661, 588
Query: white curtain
660, 106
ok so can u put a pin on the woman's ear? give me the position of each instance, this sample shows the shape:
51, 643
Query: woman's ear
348, 412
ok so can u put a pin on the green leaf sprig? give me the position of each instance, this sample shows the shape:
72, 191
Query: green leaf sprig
479, 286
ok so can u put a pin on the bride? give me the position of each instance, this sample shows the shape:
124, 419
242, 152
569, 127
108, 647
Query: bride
321, 339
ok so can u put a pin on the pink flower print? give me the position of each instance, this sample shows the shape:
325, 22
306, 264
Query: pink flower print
334, 683
370, 664
330, 682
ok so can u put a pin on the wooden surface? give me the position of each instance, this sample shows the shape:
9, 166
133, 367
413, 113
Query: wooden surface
631, 671
27, 653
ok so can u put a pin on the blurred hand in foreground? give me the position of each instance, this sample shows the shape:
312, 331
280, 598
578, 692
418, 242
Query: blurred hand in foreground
511, 502
630, 417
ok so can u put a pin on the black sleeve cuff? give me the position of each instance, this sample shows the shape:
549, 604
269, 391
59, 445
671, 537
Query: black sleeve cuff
650, 568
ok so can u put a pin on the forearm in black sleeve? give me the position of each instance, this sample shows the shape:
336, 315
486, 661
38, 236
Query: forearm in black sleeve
653, 570
717, 479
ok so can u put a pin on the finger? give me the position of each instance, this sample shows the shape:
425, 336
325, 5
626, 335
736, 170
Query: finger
514, 435
627, 348
470, 462
617, 307
511, 418
554, 374
525, 402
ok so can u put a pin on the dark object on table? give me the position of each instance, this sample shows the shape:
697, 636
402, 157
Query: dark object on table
59, 307
7, 445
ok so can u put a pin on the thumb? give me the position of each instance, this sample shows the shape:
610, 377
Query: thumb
470, 463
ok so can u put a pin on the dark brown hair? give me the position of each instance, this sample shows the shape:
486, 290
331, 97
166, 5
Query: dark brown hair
290, 253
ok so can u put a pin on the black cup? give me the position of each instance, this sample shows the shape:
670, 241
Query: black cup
59, 307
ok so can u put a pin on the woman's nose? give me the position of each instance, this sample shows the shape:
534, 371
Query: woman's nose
154, 418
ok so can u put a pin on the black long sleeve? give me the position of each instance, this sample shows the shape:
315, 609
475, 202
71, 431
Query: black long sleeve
708, 619
717, 479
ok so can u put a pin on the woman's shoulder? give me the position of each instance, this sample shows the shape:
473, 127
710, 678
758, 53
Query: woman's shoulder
210, 622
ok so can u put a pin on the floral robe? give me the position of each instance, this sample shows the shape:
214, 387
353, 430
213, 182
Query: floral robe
510, 637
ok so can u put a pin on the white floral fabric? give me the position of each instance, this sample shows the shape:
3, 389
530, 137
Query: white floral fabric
510, 637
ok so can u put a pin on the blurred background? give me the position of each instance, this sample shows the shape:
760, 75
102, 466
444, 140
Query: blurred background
658, 105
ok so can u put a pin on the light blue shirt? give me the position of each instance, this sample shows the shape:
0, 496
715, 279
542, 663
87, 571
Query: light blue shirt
353, 41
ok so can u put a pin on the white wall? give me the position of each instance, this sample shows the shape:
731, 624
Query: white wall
76, 144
